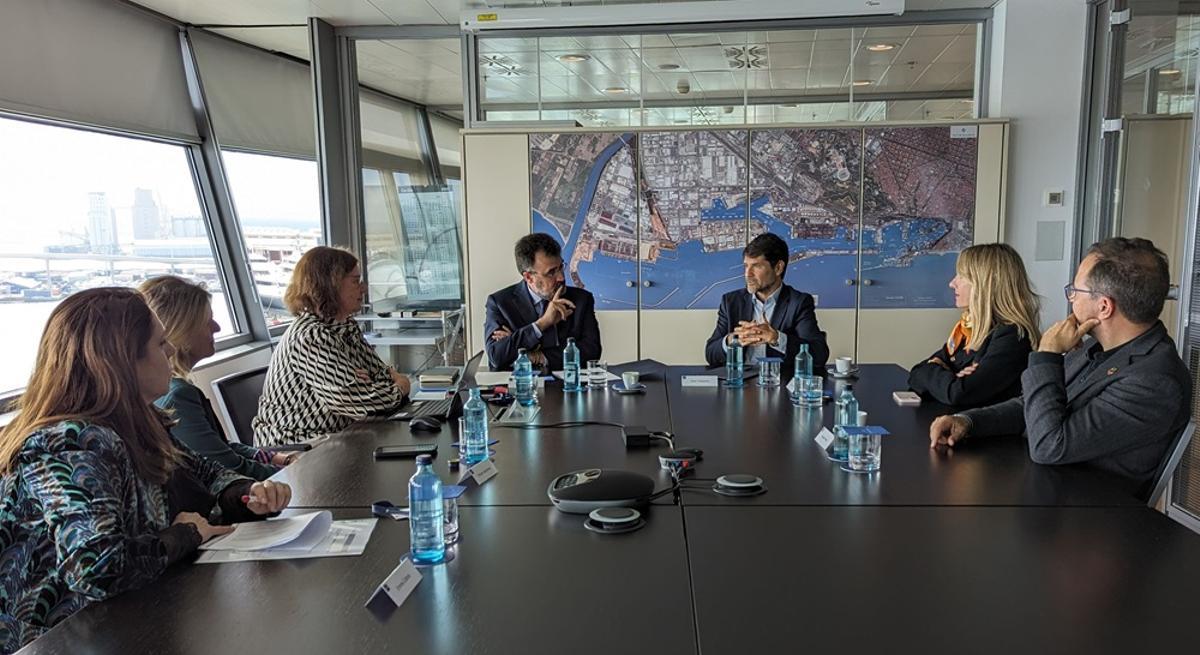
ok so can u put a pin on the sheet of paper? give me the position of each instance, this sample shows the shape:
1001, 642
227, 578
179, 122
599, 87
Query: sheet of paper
612, 377
492, 378
343, 539
440, 394
272, 533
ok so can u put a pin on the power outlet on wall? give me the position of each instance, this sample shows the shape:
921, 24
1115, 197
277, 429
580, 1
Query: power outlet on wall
1053, 198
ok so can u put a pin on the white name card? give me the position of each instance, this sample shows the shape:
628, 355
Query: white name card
399, 583
483, 471
700, 381
824, 438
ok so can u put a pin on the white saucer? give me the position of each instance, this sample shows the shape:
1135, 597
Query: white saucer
852, 373
619, 387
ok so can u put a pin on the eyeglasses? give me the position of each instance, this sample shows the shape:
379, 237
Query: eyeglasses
551, 274
1069, 291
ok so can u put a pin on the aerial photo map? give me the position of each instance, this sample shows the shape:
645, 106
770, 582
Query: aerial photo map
698, 201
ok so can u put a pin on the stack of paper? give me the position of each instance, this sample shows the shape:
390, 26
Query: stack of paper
313, 534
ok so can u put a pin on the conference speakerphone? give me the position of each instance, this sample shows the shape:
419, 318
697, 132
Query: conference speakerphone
581, 492
614, 520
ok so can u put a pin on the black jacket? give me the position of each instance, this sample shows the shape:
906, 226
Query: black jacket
512, 308
795, 316
1001, 357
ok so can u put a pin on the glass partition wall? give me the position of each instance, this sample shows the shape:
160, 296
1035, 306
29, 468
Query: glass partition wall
887, 72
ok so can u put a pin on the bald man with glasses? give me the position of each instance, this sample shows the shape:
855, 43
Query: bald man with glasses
540, 312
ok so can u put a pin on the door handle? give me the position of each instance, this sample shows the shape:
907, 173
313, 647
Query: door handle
868, 282
850, 282
630, 283
647, 283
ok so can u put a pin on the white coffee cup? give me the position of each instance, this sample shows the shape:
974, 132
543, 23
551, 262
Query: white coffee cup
630, 378
844, 364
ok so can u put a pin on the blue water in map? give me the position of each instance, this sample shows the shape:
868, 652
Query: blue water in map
689, 278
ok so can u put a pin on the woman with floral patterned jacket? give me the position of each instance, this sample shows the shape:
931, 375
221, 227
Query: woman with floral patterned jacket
95, 496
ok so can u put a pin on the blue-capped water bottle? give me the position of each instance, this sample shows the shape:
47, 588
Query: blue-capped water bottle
847, 415
733, 362
801, 370
425, 514
476, 427
523, 376
571, 366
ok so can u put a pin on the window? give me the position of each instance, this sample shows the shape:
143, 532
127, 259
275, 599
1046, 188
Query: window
279, 207
83, 209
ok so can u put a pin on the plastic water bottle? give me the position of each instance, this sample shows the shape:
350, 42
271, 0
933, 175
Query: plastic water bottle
571, 366
523, 375
802, 369
475, 422
847, 415
425, 514
733, 362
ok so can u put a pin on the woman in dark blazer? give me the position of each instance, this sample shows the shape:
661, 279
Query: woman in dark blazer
982, 360
185, 310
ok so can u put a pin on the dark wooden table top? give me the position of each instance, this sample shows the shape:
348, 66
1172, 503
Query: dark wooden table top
946, 579
342, 472
975, 549
757, 430
523, 580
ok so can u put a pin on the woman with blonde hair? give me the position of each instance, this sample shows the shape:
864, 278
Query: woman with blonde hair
96, 497
323, 374
185, 309
982, 360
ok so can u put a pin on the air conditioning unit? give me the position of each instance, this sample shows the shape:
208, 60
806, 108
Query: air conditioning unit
658, 13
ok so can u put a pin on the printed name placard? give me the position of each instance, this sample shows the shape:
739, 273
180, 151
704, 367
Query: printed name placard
824, 438
864, 430
483, 471
399, 583
700, 381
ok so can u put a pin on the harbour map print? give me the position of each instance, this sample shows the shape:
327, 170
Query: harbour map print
682, 205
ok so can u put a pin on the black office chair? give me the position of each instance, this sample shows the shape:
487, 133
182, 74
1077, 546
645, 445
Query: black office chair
237, 400
1167, 468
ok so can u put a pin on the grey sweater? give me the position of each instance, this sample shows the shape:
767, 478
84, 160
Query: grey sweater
1117, 410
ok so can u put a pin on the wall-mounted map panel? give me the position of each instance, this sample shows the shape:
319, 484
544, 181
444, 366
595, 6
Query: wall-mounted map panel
693, 215
805, 186
583, 193
918, 213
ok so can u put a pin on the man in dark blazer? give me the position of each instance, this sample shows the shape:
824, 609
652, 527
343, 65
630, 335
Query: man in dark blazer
1116, 403
540, 312
769, 317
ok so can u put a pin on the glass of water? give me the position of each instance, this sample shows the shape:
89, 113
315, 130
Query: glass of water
864, 452
450, 514
812, 390
768, 371
597, 374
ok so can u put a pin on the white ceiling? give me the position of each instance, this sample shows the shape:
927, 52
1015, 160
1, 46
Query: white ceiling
800, 62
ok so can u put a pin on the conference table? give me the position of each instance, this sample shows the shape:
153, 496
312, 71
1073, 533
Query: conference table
974, 549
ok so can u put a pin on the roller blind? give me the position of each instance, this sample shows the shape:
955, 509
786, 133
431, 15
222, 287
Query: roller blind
256, 100
389, 131
97, 63
447, 141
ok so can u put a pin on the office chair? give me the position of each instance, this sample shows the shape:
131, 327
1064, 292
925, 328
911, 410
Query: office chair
1167, 468
237, 400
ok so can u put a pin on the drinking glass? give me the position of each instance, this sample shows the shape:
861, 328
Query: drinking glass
597, 374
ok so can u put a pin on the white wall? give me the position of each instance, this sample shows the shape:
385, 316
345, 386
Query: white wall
1036, 80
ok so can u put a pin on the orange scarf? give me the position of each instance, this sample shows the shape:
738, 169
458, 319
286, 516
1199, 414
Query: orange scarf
960, 336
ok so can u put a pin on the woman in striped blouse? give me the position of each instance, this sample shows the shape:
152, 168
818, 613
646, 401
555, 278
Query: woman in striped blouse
323, 375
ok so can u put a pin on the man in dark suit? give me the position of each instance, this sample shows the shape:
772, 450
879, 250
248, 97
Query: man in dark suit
1116, 403
540, 312
770, 318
